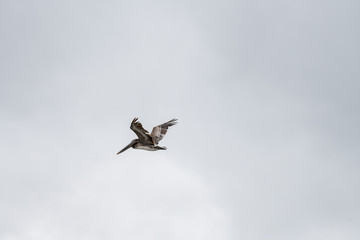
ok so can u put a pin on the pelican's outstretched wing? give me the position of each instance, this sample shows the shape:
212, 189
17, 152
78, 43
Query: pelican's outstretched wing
140, 131
159, 132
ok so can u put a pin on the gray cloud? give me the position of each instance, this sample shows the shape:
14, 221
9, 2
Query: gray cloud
265, 93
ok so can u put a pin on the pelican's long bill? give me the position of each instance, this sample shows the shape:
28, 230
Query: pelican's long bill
126, 148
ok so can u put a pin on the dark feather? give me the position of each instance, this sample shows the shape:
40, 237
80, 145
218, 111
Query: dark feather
142, 134
159, 131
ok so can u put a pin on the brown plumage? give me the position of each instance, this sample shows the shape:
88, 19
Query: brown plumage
145, 140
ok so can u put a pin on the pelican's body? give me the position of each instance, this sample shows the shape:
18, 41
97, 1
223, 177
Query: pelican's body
145, 140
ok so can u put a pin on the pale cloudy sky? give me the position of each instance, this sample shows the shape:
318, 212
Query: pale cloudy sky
266, 93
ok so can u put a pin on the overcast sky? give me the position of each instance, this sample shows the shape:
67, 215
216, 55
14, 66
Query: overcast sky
267, 97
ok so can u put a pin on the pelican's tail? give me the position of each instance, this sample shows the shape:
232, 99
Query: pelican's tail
160, 148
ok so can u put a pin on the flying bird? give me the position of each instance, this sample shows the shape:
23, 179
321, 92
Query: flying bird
145, 140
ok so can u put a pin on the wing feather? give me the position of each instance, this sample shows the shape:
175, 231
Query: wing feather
142, 134
159, 131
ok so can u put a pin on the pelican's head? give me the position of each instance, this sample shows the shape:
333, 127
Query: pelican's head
131, 144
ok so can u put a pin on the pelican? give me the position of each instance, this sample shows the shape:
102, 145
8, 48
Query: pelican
145, 140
